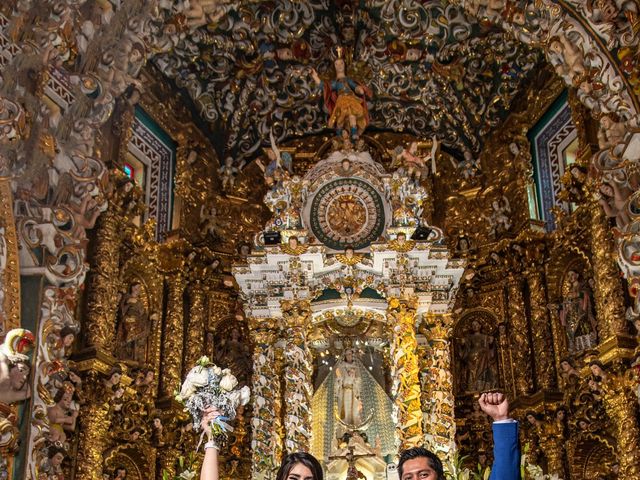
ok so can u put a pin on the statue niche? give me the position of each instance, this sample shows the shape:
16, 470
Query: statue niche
348, 390
476, 366
134, 325
577, 313
232, 350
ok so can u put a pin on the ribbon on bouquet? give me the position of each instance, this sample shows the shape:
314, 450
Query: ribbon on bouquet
218, 426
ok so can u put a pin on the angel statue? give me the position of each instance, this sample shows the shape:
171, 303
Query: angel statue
346, 100
416, 166
280, 164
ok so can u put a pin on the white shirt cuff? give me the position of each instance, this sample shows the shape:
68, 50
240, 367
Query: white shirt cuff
506, 420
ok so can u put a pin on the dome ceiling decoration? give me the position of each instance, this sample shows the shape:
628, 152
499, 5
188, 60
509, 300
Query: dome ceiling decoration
432, 69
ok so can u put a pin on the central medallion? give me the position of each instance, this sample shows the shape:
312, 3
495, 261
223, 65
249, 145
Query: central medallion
347, 212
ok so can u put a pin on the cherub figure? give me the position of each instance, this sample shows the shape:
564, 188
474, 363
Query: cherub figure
228, 172
416, 166
469, 166
208, 221
613, 199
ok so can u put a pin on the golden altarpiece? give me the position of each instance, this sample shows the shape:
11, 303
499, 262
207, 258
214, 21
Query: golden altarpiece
370, 211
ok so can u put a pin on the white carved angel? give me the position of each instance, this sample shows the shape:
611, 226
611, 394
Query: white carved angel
203, 12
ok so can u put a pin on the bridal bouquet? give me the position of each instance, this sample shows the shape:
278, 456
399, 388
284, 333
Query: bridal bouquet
207, 385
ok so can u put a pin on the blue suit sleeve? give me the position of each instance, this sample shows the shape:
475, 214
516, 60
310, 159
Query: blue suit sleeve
506, 452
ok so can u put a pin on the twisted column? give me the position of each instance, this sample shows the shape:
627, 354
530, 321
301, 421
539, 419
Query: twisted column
173, 338
438, 404
298, 371
404, 363
541, 330
620, 403
266, 442
608, 289
102, 283
94, 428
519, 339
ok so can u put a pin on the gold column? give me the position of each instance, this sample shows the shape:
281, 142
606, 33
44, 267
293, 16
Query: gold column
102, 282
298, 370
541, 330
405, 369
560, 347
195, 331
94, 427
621, 406
519, 338
267, 406
506, 360
552, 444
439, 424
608, 289
173, 338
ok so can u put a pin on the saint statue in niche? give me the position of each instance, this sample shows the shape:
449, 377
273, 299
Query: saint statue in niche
479, 358
576, 315
348, 387
133, 328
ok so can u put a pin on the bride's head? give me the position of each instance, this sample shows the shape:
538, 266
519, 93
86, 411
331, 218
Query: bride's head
300, 466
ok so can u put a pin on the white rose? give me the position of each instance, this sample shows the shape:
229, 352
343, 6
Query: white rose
245, 395
187, 389
228, 382
198, 376
216, 370
226, 371
234, 398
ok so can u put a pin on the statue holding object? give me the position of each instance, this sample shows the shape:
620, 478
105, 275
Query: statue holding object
346, 100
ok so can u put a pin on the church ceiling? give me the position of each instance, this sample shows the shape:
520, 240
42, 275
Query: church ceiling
432, 70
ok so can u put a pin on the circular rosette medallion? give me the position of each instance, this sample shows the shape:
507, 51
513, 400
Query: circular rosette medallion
347, 212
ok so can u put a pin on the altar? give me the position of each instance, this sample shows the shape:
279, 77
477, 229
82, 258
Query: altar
355, 283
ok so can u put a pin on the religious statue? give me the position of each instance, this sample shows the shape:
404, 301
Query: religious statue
231, 351
15, 366
346, 101
228, 173
576, 314
208, 221
51, 466
348, 392
415, 166
63, 415
612, 196
133, 329
499, 221
479, 356
279, 167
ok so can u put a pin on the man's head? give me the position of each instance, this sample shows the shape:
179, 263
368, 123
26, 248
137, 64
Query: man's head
417, 462
18, 375
120, 473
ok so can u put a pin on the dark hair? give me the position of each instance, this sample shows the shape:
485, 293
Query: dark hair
305, 459
64, 331
54, 450
121, 467
418, 452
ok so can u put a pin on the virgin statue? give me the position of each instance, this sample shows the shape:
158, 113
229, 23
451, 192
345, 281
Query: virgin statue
348, 386
346, 101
